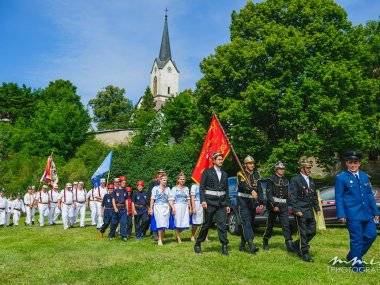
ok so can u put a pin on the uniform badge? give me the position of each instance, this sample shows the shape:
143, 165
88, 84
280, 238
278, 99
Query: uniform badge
351, 181
117, 194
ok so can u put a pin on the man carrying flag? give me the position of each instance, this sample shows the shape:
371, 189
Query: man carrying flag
95, 196
50, 175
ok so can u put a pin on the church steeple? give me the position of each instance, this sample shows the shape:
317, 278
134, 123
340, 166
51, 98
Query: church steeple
165, 52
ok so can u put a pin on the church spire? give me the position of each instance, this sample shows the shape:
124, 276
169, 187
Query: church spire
165, 53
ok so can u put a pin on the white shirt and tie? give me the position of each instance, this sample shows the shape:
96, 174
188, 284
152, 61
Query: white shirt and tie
218, 172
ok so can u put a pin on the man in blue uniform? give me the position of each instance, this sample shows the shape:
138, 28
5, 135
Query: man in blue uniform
108, 211
356, 206
119, 203
140, 200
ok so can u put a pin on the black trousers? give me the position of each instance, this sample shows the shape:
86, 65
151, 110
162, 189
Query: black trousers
220, 214
307, 228
247, 214
283, 216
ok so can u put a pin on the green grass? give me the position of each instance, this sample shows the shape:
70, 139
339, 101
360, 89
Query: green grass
51, 255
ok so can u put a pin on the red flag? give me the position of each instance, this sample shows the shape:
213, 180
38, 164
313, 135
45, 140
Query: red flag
215, 141
50, 174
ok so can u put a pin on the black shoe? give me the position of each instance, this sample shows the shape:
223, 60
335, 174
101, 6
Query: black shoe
306, 257
265, 244
197, 248
290, 246
32, 222
224, 250
242, 246
252, 248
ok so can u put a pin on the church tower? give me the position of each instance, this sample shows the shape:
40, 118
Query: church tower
164, 76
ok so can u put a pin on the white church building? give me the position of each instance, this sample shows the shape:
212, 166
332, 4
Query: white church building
164, 75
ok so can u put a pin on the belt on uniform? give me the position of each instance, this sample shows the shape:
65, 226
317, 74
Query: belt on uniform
215, 193
120, 205
244, 195
2, 208
17, 209
279, 200
81, 202
67, 204
108, 208
43, 203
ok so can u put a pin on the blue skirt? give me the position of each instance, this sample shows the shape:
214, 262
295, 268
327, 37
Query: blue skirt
153, 225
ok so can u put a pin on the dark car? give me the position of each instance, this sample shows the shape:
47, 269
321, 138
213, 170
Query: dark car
329, 206
261, 214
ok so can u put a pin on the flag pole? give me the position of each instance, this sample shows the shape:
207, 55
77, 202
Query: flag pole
108, 177
233, 151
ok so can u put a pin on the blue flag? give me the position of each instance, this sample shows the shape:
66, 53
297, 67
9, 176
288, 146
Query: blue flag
102, 169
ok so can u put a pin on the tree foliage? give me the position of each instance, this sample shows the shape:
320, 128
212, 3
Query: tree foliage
112, 110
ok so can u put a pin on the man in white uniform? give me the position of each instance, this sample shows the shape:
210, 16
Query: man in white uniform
80, 203
9, 211
28, 202
66, 204
17, 208
53, 211
95, 198
43, 204
35, 205
3, 208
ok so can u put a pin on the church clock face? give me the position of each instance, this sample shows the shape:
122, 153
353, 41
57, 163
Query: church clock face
169, 69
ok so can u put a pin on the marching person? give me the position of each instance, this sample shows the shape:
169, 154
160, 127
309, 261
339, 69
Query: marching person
17, 208
95, 198
141, 203
356, 206
196, 210
180, 195
42, 199
119, 203
80, 195
29, 203
3, 208
35, 204
303, 199
277, 205
65, 204
153, 183
9, 211
53, 210
107, 210
160, 204
215, 201
249, 191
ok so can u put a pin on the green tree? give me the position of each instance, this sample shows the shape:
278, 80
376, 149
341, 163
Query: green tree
147, 103
292, 81
112, 110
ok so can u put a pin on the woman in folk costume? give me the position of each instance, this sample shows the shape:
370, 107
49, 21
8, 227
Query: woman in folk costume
180, 195
160, 203
197, 210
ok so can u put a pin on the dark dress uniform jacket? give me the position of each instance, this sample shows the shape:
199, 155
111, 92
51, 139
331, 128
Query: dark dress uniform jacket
303, 198
210, 182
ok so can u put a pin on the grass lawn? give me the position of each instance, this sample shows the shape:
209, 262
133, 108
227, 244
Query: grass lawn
51, 255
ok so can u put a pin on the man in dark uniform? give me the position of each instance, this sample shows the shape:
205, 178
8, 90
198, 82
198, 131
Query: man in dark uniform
108, 211
356, 206
154, 182
215, 202
141, 202
277, 205
123, 185
249, 190
119, 203
303, 199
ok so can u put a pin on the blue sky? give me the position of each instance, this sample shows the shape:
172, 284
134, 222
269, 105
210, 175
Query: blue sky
95, 43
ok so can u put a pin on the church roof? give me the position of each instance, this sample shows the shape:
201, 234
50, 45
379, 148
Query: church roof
165, 51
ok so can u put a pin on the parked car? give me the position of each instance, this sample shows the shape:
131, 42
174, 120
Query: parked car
261, 214
329, 206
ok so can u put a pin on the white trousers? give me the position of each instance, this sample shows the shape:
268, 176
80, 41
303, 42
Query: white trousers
28, 219
96, 213
43, 210
53, 213
3, 217
80, 210
8, 217
16, 217
67, 215
34, 210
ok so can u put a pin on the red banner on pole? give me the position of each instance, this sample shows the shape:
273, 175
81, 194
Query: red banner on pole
215, 141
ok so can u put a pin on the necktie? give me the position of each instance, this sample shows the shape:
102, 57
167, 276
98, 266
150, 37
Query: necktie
357, 177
